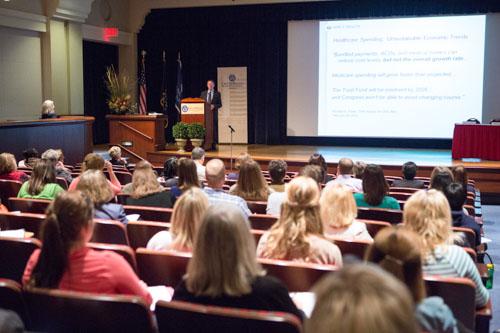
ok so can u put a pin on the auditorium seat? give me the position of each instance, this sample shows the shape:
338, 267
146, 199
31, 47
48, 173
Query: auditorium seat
11, 298
27, 221
36, 206
125, 251
111, 232
64, 311
297, 276
471, 210
400, 195
8, 188
404, 189
124, 177
14, 254
150, 213
469, 234
139, 233
257, 207
257, 234
183, 317
62, 182
355, 248
373, 226
121, 198
379, 214
262, 221
161, 267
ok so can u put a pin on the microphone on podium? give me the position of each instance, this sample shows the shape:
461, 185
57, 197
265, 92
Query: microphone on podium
231, 128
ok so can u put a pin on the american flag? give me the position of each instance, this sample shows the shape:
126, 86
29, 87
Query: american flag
143, 105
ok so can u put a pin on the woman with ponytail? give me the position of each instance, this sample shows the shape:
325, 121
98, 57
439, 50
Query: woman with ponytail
66, 262
298, 234
398, 251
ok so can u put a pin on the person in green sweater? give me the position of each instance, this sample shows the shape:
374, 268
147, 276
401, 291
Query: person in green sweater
42, 184
375, 189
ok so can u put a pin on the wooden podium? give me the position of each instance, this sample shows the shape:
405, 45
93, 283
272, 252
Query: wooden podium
197, 110
145, 133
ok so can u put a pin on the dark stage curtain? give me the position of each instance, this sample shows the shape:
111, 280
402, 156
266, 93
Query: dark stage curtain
256, 36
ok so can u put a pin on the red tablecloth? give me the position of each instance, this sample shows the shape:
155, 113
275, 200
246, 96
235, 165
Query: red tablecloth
476, 141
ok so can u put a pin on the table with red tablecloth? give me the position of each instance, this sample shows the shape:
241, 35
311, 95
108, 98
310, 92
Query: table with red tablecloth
476, 141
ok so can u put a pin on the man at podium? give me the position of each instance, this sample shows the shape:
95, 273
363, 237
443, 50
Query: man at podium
213, 97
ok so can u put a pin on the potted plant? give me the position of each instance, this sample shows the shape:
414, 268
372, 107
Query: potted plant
119, 88
180, 134
196, 132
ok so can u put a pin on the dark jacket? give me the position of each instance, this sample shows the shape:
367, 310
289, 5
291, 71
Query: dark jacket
414, 183
216, 99
460, 219
159, 199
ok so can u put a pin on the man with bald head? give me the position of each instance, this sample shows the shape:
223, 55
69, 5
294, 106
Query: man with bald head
215, 175
345, 176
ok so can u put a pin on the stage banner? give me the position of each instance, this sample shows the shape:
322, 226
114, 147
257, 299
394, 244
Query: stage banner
232, 84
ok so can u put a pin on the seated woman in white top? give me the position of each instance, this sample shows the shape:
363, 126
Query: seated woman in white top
298, 234
428, 214
186, 219
338, 213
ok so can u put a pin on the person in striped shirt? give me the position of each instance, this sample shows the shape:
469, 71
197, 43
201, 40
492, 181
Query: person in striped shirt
428, 214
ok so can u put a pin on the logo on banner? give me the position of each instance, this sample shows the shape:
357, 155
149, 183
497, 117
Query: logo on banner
185, 108
232, 77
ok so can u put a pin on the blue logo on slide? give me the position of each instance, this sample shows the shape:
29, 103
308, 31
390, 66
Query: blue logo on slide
232, 77
184, 108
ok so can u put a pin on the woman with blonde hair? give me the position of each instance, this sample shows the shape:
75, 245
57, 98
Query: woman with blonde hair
186, 219
224, 270
298, 233
398, 251
8, 169
338, 213
94, 161
251, 184
94, 184
361, 298
145, 188
428, 214
48, 110
115, 153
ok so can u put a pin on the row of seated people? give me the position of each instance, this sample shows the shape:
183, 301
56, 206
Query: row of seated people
237, 281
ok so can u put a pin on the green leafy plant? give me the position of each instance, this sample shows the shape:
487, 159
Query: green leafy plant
180, 130
196, 131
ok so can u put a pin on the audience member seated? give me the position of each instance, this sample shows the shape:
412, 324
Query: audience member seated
338, 213
362, 298
188, 177
65, 262
95, 162
169, 176
456, 197
93, 184
409, 181
440, 178
345, 176
8, 168
186, 219
359, 169
298, 233
42, 183
460, 176
30, 155
48, 110
243, 157
428, 214
10, 322
375, 190
277, 172
198, 156
251, 184
56, 157
215, 175
319, 160
115, 153
146, 190
398, 251
224, 271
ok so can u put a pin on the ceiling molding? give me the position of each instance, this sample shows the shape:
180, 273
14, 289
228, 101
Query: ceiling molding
73, 10
22, 20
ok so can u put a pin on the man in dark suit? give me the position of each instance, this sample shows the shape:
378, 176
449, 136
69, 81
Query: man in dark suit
213, 97
409, 173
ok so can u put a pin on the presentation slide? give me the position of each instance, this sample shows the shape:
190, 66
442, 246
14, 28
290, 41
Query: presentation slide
399, 78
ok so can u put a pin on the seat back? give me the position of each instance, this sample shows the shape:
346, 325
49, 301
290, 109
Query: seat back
62, 182
297, 276
36, 206
457, 293
257, 234
471, 210
125, 251
11, 298
8, 188
379, 214
257, 207
139, 233
14, 254
400, 195
355, 248
404, 189
111, 232
374, 227
124, 176
121, 198
64, 311
469, 234
161, 267
262, 221
185, 317
150, 213
27, 221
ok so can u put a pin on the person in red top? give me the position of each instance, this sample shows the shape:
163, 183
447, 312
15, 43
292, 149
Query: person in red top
65, 262
95, 162
8, 168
